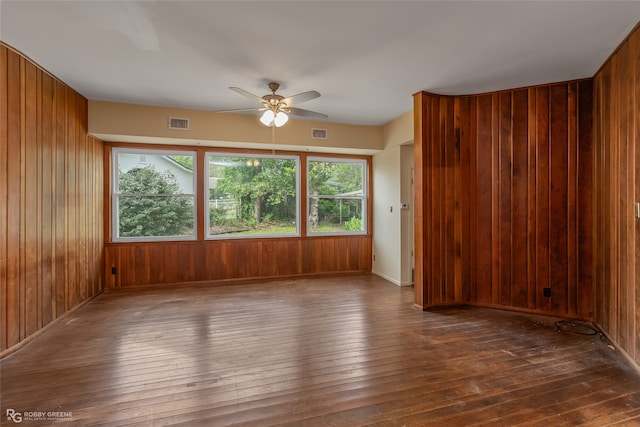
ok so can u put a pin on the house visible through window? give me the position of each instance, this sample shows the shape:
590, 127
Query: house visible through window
246, 195
153, 195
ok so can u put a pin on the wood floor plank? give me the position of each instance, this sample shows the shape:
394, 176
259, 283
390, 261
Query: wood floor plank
344, 351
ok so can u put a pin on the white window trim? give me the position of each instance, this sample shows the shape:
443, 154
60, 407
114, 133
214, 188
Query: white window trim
209, 236
115, 219
365, 196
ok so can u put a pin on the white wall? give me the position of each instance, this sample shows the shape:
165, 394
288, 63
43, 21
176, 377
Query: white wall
406, 216
392, 186
386, 224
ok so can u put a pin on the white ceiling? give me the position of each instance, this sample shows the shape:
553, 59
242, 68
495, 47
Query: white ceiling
366, 58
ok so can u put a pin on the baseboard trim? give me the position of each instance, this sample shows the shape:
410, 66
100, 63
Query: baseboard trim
387, 278
634, 364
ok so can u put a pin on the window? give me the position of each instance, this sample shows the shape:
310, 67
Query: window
153, 195
336, 194
252, 196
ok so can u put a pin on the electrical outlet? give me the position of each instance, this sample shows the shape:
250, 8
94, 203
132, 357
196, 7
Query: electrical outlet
546, 292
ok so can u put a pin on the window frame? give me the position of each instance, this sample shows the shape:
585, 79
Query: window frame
207, 224
364, 199
115, 196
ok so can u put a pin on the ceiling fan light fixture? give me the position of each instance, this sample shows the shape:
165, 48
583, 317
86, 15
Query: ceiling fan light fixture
267, 118
280, 119
277, 108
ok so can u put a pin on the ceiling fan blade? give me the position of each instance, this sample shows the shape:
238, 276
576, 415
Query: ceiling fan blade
247, 94
237, 110
305, 113
302, 97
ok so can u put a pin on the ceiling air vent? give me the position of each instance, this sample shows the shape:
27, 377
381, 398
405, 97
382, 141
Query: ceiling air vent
179, 123
318, 133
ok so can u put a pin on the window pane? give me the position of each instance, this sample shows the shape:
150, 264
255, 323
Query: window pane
338, 215
151, 216
153, 194
252, 196
336, 196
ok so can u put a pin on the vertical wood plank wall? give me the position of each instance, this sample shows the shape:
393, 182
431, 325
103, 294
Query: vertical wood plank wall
504, 185
51, 181
157, 263
617, 188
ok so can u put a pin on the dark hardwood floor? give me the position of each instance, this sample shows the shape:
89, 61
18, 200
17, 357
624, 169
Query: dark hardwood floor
338, 351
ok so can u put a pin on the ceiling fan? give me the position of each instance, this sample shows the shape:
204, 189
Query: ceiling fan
276, 107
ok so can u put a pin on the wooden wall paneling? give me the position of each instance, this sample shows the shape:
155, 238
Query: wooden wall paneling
505, 148
424, 199
266, 251
599, 191
542, 198
137, 263
584, 203
520, 198
22, 248
495, 199
143, 262
170, 263
633, 223
185, 267
605, 283
615, 171
328, 255
500, 211
532, 120
623, 102
81, 200
60, 165
343, 262
39, 190
572, 189
365, 248
631, 90
70, 190
453, 287
437, 204
456, 225
13, 200
484, 208
29, 240
450, 149
474, 169
4, 189
419, 187
308, 257
235, 260
429, 186
286, 257
199, 258
635, 66
250, 251
464, 125
47, 218
558, 198
432, 205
